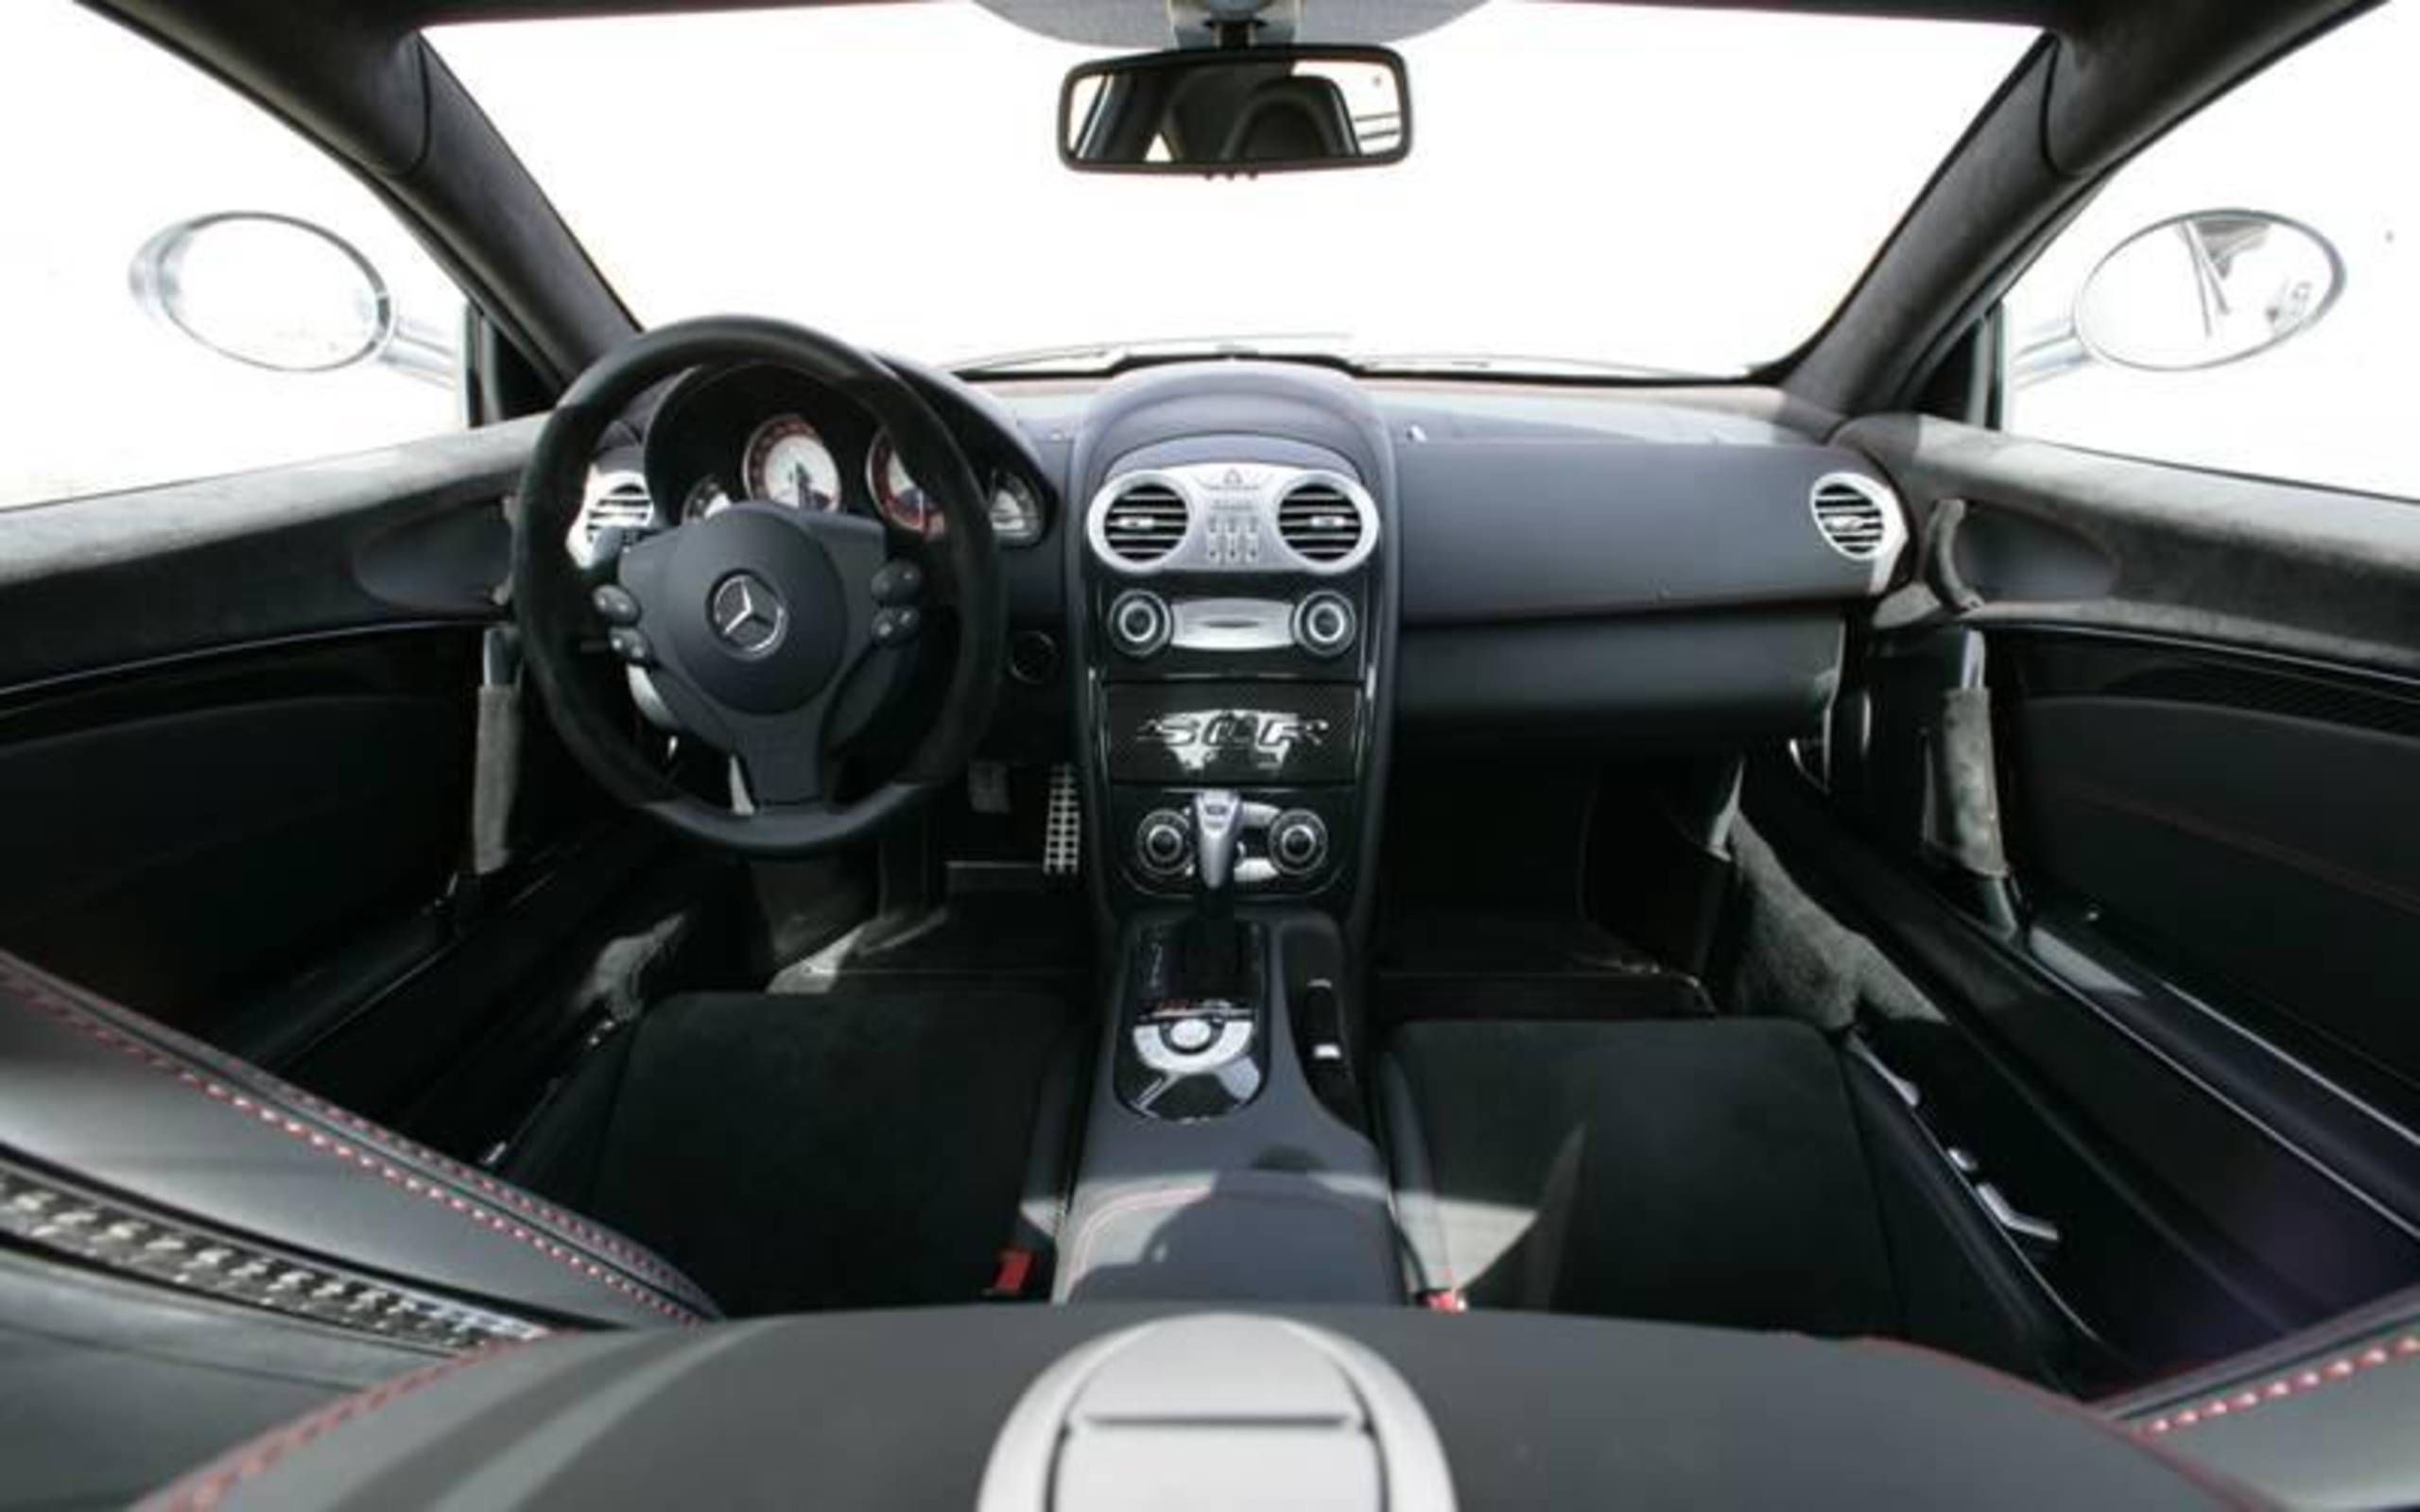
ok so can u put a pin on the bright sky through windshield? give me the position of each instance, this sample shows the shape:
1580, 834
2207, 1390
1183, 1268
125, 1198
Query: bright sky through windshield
1672, 189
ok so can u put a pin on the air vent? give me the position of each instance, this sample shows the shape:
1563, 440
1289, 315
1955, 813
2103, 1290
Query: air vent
1855, 515
622, 503
1145, 523
1319, 523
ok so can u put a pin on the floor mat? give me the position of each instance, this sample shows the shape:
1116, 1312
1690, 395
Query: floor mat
1018, 934
1705, 1173
1440, 965
845, 1151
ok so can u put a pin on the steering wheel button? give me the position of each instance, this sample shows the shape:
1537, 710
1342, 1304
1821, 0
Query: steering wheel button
900, 582
897, 627
631, 645
614, 605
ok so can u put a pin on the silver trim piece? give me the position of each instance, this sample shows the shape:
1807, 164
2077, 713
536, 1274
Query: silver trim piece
1234, 1039
2005, 1214
1229, 625
1883, 555
1231, 519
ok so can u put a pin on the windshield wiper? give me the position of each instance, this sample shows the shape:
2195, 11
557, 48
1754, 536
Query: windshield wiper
1507, 365
1096, 358
1109, 356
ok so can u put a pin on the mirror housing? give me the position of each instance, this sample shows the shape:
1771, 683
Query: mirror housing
276, 292
1236, 110
2207, 290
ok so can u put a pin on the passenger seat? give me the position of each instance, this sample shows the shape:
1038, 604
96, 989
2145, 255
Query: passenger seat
1743, 1173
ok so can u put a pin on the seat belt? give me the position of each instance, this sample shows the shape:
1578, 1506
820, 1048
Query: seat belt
496, 770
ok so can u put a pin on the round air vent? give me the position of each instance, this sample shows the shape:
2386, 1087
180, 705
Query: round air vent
1319, 523
1856, 515
1144, 523
620, 501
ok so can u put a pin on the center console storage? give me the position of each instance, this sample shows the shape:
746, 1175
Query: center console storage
1232, 597
1250, 1179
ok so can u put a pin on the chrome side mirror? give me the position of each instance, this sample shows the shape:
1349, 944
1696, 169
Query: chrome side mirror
271, 291
2190, 292
2208, 289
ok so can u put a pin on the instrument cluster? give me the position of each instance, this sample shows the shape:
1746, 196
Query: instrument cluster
767, 433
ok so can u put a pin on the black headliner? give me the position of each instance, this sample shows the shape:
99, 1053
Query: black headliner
2062, 16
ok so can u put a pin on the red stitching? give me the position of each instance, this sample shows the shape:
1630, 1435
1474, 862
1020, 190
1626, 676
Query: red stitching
2292, 1384
69, 1013
638, 1259
209, 1485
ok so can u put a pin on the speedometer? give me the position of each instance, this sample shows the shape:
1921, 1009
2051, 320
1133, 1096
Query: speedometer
788, 462
902, 501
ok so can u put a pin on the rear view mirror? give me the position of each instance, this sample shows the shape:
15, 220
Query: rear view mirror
2208, 289
1244, 110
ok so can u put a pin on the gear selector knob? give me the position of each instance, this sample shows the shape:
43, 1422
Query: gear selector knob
1218, 825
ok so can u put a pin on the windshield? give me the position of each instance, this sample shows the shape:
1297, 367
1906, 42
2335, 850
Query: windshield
1589, 184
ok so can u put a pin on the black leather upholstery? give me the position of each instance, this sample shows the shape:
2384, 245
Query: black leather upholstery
901, 1410
94, 1088
2328, 1417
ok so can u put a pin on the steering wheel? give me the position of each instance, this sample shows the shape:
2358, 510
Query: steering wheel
772, 634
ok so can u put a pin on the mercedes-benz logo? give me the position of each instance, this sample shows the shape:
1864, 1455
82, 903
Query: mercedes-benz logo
748, 615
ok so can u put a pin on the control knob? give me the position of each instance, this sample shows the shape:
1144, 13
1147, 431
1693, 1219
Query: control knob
1139, 622
1298, 842
1162, 842
1326, 624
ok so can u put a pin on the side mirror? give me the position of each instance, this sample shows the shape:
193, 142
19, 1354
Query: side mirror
274, 292
1238, 110
2208, 289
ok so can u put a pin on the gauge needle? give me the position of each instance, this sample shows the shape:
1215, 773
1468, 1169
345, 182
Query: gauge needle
806, 489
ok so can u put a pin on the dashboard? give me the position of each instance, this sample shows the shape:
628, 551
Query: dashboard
1259, 571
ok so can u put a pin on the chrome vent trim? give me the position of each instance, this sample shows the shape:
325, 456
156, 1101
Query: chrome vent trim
1317, 523
1233, 518
1144, 522
621, 502
1858, 517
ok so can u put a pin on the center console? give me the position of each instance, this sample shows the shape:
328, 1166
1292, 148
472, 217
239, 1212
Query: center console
1232, 602
1232, 597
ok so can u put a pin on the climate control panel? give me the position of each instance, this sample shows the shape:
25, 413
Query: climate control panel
1288, 845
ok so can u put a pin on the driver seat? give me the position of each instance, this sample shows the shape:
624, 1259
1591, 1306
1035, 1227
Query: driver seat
222, 1156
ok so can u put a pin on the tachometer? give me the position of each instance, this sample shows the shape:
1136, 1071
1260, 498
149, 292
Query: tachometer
788, 462
705, 498
901, 502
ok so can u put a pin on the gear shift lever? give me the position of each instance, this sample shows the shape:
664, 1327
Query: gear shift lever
1218, 825
1213, 953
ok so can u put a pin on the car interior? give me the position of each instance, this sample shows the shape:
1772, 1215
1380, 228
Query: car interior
1164, 926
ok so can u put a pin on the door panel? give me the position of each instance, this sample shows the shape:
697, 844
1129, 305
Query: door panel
237, 725
2256, 830
189, 839
2206, 850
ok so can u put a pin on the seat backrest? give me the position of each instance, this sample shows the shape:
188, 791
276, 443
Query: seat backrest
95, 1090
